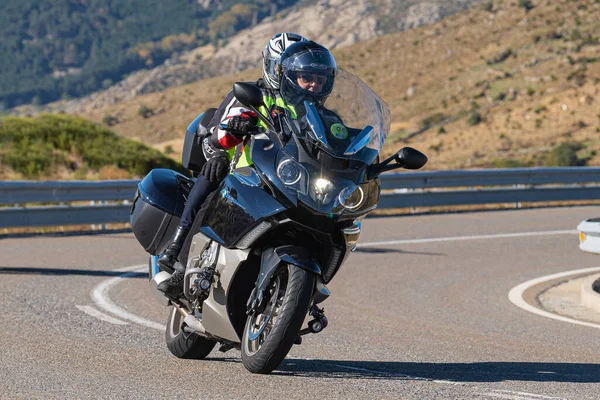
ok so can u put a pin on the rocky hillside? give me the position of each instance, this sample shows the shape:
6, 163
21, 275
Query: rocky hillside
333, 23
503, 84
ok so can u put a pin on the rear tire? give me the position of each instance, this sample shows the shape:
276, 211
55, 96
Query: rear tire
291, 290
183, 344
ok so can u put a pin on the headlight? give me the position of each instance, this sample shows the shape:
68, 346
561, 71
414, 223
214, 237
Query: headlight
351, 197
322, 186
289, 172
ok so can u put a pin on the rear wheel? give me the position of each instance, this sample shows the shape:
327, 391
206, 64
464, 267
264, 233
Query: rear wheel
270, 335
185, 344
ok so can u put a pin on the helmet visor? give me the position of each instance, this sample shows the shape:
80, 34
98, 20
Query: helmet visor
309, 73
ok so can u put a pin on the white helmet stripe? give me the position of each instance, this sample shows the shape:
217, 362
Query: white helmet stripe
273, 51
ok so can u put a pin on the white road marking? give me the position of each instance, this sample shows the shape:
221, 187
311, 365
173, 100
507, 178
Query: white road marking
100, 297
516, 296
511, 395
97, 314
537, 396
461, 238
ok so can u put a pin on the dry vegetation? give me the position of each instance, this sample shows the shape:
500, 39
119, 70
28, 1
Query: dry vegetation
492, 87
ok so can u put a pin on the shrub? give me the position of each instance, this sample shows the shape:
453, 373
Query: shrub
564, 155
526, 4
144, 111
500, 96
110, 120
508, 163
32, 146
433, 120
500, 57
474, 118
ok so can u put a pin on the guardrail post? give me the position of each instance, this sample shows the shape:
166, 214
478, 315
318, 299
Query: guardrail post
93, 226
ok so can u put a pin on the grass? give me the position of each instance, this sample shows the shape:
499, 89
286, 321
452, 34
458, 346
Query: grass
45, 146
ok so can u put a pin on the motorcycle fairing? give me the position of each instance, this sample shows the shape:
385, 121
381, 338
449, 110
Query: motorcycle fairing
235, 209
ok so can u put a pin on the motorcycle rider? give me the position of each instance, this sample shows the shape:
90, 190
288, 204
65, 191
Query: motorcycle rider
218, 148
308, 72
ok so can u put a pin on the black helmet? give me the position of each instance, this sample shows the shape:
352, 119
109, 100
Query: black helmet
307, 72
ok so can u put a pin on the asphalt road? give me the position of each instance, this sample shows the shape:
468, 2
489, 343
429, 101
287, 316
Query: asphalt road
410, 320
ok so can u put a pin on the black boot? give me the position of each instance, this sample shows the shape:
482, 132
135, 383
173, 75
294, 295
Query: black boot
167, 259
173, 287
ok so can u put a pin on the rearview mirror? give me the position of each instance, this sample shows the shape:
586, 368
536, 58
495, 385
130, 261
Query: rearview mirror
248, 94
406, 157
409, 158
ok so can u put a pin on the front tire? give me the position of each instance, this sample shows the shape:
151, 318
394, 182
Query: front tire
269, 336
185, 344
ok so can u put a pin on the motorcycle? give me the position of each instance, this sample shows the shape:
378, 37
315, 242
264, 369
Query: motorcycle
275, 233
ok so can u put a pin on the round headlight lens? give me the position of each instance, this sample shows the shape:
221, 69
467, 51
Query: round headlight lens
289, 172
351, 197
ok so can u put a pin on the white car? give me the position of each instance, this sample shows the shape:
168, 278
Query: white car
589, 235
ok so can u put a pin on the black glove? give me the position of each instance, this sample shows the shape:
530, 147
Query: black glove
215, 169
217, 164
240, 125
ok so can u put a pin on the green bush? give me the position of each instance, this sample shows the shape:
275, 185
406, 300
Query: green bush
33, 146
500, 57
145, 111
526, 4
433, 120
474, 118
564, 155
110, 120
509, 163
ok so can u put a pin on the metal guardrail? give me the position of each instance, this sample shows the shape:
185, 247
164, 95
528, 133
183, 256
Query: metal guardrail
401, 190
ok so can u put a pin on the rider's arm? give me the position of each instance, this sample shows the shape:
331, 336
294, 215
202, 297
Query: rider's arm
229, 108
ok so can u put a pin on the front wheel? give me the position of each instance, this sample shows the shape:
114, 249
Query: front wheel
270, 335
185, 344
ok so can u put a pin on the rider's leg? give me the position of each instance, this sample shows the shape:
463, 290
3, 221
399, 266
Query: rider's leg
201, 189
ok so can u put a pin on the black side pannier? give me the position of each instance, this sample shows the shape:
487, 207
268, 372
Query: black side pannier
157, 208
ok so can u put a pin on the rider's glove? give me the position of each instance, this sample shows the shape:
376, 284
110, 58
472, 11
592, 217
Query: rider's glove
215, 169
240, 125
217, 164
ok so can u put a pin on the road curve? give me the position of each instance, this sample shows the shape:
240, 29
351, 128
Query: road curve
408, 319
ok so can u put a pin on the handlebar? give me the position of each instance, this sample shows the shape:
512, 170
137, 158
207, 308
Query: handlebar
256, 130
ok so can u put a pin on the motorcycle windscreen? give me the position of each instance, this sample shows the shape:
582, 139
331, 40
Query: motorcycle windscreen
326, 150
353, 122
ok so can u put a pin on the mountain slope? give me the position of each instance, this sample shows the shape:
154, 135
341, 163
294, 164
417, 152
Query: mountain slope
334, 23
72, 47
493, 86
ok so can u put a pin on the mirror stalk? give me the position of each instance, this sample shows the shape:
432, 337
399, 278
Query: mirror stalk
406, 157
